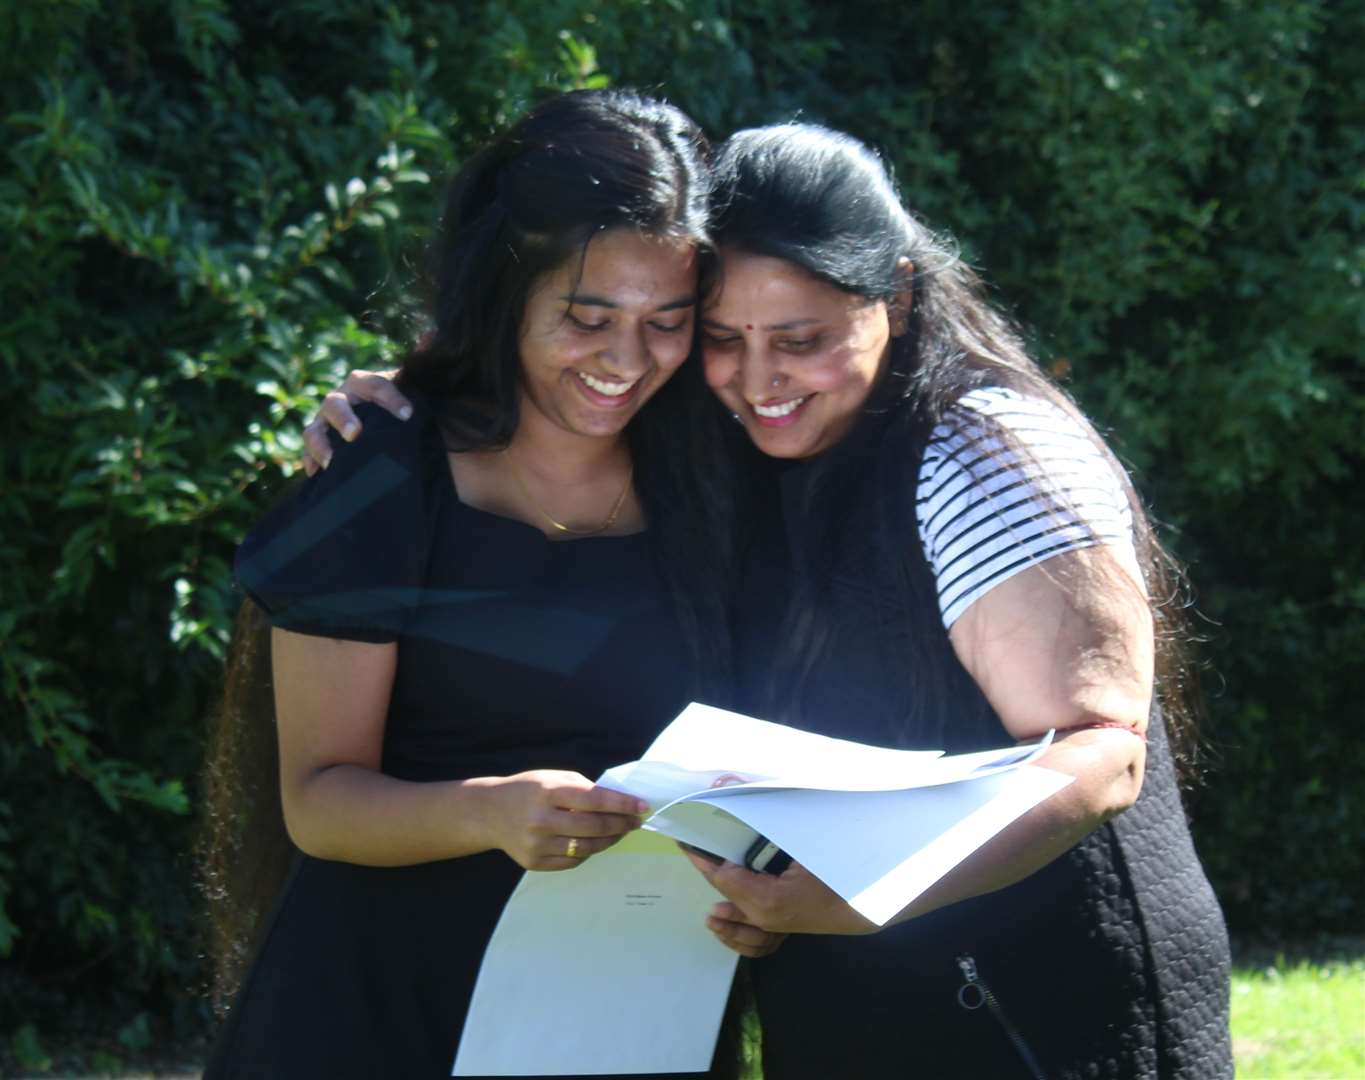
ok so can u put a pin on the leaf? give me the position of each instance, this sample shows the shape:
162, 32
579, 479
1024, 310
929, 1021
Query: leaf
28, 1049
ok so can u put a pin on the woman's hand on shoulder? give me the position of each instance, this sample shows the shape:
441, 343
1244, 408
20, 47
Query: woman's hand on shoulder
337, 412
547, 819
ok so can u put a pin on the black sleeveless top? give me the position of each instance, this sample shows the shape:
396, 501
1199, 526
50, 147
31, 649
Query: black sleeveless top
1112, 961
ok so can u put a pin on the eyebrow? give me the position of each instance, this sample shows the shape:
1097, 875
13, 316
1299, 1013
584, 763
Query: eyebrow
791, 324
602, 301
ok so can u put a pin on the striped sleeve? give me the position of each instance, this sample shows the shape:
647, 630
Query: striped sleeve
985, 511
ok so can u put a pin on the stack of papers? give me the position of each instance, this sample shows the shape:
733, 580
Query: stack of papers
609, 968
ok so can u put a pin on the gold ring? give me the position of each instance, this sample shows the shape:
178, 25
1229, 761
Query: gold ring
572, 850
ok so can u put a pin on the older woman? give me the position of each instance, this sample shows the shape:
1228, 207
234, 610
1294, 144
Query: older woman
962, 563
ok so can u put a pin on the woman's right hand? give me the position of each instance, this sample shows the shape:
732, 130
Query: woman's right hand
547, 819
337, 412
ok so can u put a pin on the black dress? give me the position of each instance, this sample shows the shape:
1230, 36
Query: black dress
514, 653
1111, 962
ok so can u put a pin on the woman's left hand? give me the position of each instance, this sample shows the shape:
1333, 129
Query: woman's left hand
760, 910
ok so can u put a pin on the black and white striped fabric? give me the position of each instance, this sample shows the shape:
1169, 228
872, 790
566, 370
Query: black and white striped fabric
987, 511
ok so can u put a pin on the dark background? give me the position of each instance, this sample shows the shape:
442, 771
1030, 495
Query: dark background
210, 211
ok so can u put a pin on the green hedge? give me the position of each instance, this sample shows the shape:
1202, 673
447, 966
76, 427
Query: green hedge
211, 211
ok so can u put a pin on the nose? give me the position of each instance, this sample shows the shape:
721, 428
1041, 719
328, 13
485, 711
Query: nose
757, 369
627, 353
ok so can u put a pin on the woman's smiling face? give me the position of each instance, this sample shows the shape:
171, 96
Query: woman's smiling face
599, 338
792, 356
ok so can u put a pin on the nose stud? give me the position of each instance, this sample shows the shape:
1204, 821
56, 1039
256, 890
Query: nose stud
777, 381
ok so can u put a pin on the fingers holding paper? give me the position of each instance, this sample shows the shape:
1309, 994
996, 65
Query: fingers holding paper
794, 902
547, 819
727, 923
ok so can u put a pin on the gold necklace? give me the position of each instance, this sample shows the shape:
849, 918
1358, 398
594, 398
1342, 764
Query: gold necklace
570, 530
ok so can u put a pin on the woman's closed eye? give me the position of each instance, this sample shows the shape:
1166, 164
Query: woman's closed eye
719, 338
584, 324
592, 327
724, 339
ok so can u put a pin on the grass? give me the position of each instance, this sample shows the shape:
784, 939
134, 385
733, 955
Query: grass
1300, 1016
1296, 1015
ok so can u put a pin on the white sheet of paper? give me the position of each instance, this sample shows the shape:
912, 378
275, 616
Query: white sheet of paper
877, 826
704, 739
881, 849
890, 770
600, 970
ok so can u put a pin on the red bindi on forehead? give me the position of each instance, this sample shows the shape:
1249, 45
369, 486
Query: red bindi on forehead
748, 326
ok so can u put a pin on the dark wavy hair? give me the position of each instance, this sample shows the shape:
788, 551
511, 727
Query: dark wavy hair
528, 203
825, 202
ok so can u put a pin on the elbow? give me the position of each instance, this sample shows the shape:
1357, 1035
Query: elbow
1108, 764
1126, 773
307, 839
1113, 741
305, 822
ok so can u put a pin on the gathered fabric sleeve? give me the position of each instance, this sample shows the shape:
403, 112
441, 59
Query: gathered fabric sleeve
987, 509
345, 555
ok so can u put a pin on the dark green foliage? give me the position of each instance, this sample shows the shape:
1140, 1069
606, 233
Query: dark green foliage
210, 211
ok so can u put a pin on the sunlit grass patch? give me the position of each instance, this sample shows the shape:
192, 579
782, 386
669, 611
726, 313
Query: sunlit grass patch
1300, 1017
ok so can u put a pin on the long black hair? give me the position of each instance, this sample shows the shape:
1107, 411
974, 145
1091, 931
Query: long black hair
825, 202
530, 202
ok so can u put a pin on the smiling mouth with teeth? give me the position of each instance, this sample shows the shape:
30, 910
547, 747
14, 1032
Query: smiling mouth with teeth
786, 408
610, 389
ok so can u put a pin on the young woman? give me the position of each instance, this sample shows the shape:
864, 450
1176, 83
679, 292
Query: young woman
468, 619
954, 560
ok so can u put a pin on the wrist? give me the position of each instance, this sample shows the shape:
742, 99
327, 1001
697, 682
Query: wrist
477, 806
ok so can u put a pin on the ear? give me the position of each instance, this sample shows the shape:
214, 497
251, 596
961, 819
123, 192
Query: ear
899, 307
